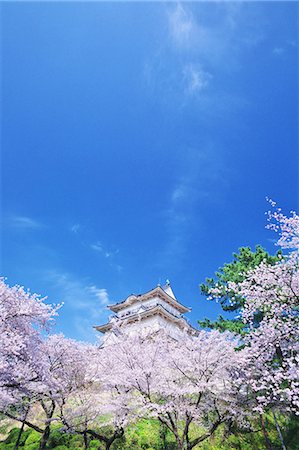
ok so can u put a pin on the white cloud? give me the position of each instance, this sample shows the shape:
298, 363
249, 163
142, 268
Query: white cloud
191, 34
75, 228
195, 78
97, 247
202, 41
190, 43
178, 193
84, 301
285, 47
101, 294
181, 25
23, 222
78, 293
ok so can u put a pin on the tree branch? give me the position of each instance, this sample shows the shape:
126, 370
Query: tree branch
26, 422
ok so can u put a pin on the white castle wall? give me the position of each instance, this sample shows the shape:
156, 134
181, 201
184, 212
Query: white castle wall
151, 324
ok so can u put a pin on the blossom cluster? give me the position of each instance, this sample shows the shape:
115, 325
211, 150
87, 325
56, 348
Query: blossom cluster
271, 300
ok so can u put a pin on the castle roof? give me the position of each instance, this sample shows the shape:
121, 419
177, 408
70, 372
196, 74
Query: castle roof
155, 310
164, 293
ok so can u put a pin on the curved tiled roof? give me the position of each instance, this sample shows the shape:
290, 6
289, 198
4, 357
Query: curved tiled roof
152, 293
157, 309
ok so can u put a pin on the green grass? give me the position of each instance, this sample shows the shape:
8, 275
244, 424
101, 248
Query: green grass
149, 435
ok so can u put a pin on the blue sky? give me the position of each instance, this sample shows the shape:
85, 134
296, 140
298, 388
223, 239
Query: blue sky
139, 141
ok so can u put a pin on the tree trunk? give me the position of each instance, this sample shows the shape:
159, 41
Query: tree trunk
279, 431
110, 441
163, 434
19, 436
22, 428
85, 437
107, 446
45, 437
180, 444
266, 436
49, 414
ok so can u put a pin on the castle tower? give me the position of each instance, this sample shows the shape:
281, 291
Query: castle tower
153, 310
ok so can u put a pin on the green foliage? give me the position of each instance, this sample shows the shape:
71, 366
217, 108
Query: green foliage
61, 447
13, 436
150, 435
292, 434
57, 439
234, 325
234, 271
3, 428
146, 434
34, 446
5, 446
33, 438
93, 444
235, 438
30, 440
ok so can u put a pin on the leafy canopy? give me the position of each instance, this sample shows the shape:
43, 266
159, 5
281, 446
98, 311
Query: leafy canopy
234, 271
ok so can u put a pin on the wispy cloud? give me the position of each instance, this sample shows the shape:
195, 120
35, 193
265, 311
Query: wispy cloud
203, 177
79, 293
84, 301
23, 222
279, 50
99, 248
101, 294
186, 42
182, 26
201, 51
191, 37
195, 78
191, 29
75, 228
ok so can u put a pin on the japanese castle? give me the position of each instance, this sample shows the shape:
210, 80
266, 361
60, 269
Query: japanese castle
151, 311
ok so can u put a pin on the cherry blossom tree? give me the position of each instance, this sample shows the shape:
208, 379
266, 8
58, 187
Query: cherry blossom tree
191, 381
96, 413
95, 407
270, 312
62, 367
272, 292
23, 318
34, 369
52, 372
65, 365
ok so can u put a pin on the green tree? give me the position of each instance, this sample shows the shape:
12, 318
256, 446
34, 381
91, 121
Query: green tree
234, 271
